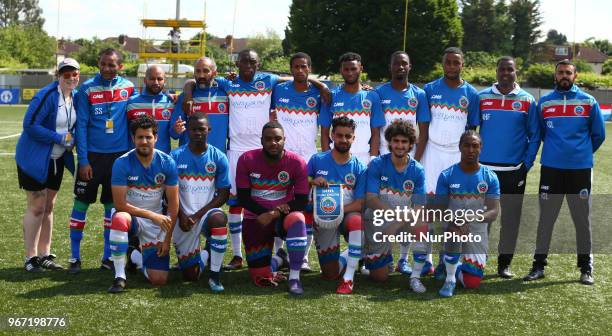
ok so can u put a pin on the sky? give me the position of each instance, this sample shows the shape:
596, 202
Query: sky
85, 19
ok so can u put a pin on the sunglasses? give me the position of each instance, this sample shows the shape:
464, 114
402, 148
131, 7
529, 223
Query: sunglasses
68, 75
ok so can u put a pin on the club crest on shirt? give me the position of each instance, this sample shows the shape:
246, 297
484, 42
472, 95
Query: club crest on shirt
578, 110
328, 204
413, 102
160, 178
349, 179
483, 187
408, 185
366, 104
166, 114
311, 102
463, 101
283, 176
123, 93
516, 105
221, 107
260, 85
210, 167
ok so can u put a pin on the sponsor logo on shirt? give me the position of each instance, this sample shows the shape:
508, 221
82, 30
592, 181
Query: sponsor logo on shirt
366, 104
311, 102
160, 178
260, 85
384, 178
463, 101
338, 104
349, 179
132, 178
412, 102
408, 185
181, 166
322, 172
97, 96
455, 185
283, 176
482, 187
166, 114
385, 101
436, 97
579, 110
211, 167
549, 110
487, 103
255, 175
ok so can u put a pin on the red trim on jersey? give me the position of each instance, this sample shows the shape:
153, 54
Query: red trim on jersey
135, 113
556, 111
214, 107
488, 104
101, 97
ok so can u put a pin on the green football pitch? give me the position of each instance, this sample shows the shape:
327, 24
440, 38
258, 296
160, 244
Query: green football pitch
557, 304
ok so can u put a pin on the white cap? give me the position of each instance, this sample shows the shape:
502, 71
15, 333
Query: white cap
68, 62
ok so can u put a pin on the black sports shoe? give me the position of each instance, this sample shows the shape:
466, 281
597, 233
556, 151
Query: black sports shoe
48, 262
234, 264
504, 272
74, 266
118, 286
107, 265
535, 274
586, 278
283, 255
33, 265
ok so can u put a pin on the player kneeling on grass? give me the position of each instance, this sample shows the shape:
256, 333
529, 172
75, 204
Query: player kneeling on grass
394, 180
272, 187
203, 188
139, 179
339, 167
471, 191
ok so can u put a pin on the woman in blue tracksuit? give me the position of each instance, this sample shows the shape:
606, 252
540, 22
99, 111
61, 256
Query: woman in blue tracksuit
43, 150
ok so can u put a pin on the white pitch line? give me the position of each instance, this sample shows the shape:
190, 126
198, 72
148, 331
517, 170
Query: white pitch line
7, 154
10, 136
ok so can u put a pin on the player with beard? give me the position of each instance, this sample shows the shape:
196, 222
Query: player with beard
352, 101
154, 102
250, 97
572, 130
403, 100
394, 180
339, 166
273, 189
140, 179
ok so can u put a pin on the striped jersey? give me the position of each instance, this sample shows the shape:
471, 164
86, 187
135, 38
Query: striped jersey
409, 104
450, 111
396, 189
99, 101
298, 112
459, 190
249, 104
363, 107
199, 176
160, 107
509, 127
351, 175
271, 185
214, 102
572, 129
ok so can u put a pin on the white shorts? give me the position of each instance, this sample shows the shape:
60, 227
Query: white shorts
187, 244
435, 160
232, 157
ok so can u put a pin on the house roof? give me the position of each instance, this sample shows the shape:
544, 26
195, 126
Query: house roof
591, 55
67, 48
132, 44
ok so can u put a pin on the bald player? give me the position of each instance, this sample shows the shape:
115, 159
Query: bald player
156, 103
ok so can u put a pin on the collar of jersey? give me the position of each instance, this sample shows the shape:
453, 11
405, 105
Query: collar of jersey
514, 91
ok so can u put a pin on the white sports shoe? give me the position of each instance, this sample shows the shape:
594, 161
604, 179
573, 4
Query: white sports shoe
417, 286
